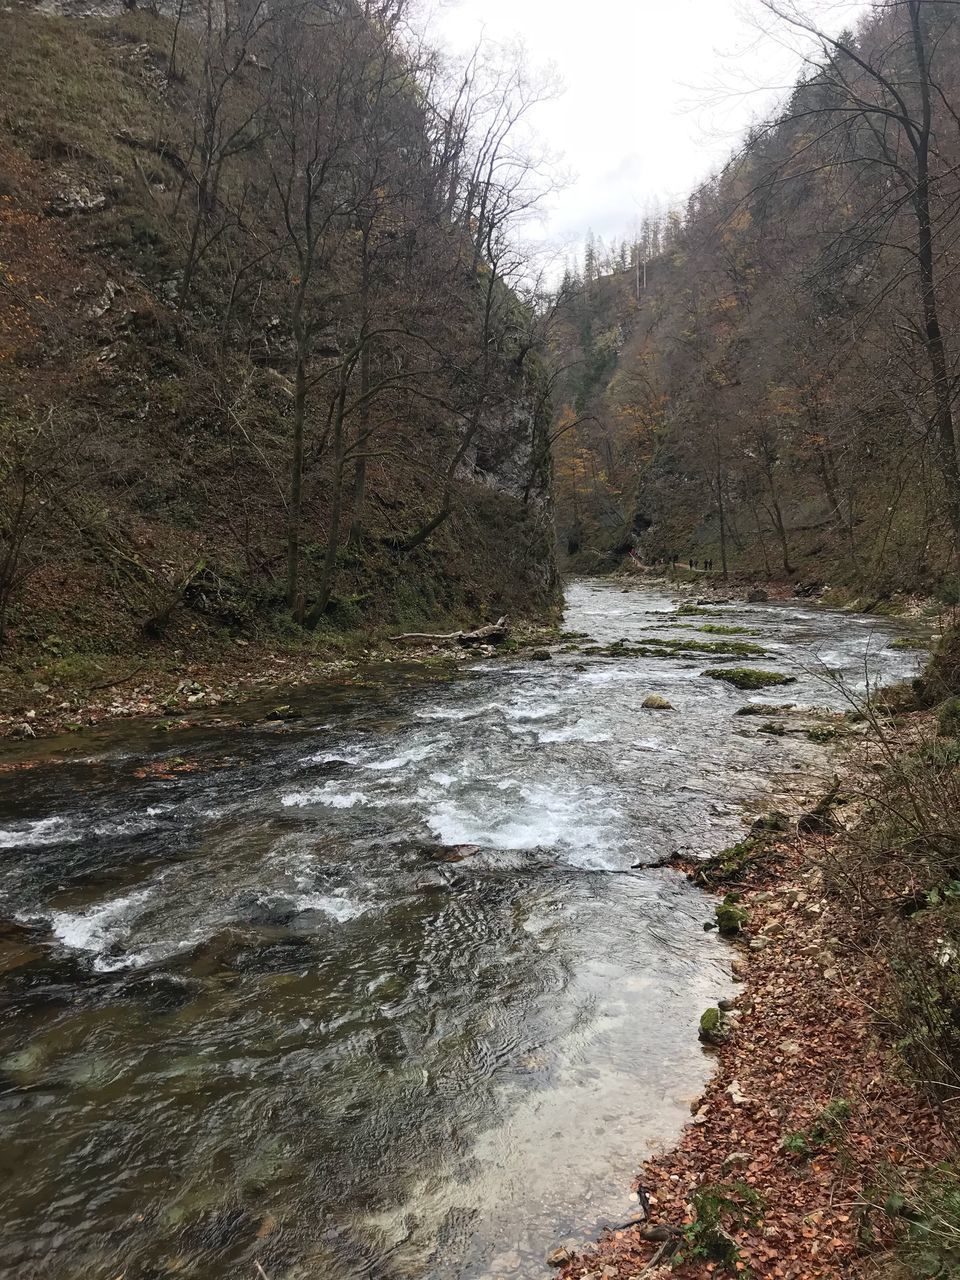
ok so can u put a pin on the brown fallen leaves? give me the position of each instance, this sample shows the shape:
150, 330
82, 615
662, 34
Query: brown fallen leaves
804, 1039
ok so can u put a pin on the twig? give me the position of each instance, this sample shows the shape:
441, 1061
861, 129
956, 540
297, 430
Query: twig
109, 684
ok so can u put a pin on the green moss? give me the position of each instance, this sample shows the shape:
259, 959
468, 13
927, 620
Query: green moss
731, 865
920, 643
748, 677
673, 647
764, 709
719, 1209
693, 611
710, 1021
716, 630
797, 1144
730, 916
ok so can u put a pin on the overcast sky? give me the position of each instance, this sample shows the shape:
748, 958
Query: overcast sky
656, 92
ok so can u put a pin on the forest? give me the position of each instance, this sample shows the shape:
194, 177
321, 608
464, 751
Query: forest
768, 377
270, 357
479, 737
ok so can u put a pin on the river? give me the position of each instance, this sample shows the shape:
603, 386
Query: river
378, 990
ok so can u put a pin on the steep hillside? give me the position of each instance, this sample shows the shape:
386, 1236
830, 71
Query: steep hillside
259, 367
780, 397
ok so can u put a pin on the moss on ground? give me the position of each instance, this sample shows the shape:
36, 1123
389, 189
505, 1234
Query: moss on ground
749, 677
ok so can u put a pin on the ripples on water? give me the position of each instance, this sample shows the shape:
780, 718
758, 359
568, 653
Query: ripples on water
273, 1009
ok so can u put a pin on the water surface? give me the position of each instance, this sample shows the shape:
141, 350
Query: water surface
379, 991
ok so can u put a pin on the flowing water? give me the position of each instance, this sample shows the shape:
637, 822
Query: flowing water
378, 991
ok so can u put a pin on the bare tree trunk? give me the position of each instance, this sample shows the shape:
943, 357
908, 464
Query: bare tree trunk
360, 466
723, 526
294, 594
325, 589
933, 334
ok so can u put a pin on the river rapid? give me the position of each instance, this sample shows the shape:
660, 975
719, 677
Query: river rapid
379, 990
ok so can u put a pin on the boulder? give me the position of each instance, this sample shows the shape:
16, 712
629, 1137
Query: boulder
653, 702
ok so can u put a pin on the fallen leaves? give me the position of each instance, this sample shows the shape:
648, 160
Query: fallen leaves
803, 1043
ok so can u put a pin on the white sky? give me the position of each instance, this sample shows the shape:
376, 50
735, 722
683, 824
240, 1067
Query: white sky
656, 92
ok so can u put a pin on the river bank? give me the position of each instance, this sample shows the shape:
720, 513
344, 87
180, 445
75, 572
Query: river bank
817, 1148
172, 684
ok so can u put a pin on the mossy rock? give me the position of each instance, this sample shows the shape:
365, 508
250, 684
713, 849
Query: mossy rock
773, 727
910, 643
711, 1023
774, 821
693, 611
730, 916
748, 677
283, 712
765, 709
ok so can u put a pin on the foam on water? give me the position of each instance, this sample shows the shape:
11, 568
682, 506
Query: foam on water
328, 795
577, 824
345, 755
413, 755
41, 831
339, 908
98, 930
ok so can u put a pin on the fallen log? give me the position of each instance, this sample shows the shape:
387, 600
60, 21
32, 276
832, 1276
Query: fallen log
492, 633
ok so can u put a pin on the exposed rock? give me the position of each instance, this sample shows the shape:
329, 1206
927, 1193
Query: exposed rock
711, 1029
74, 197
559, 1257
99, 308
757, 595
653, 702
730, 917
737, 1096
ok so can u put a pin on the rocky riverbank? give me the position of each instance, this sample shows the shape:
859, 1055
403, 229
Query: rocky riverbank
804, 1155
174, 685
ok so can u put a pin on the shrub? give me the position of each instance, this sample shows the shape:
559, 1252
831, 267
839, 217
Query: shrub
719, 1209
948, 718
